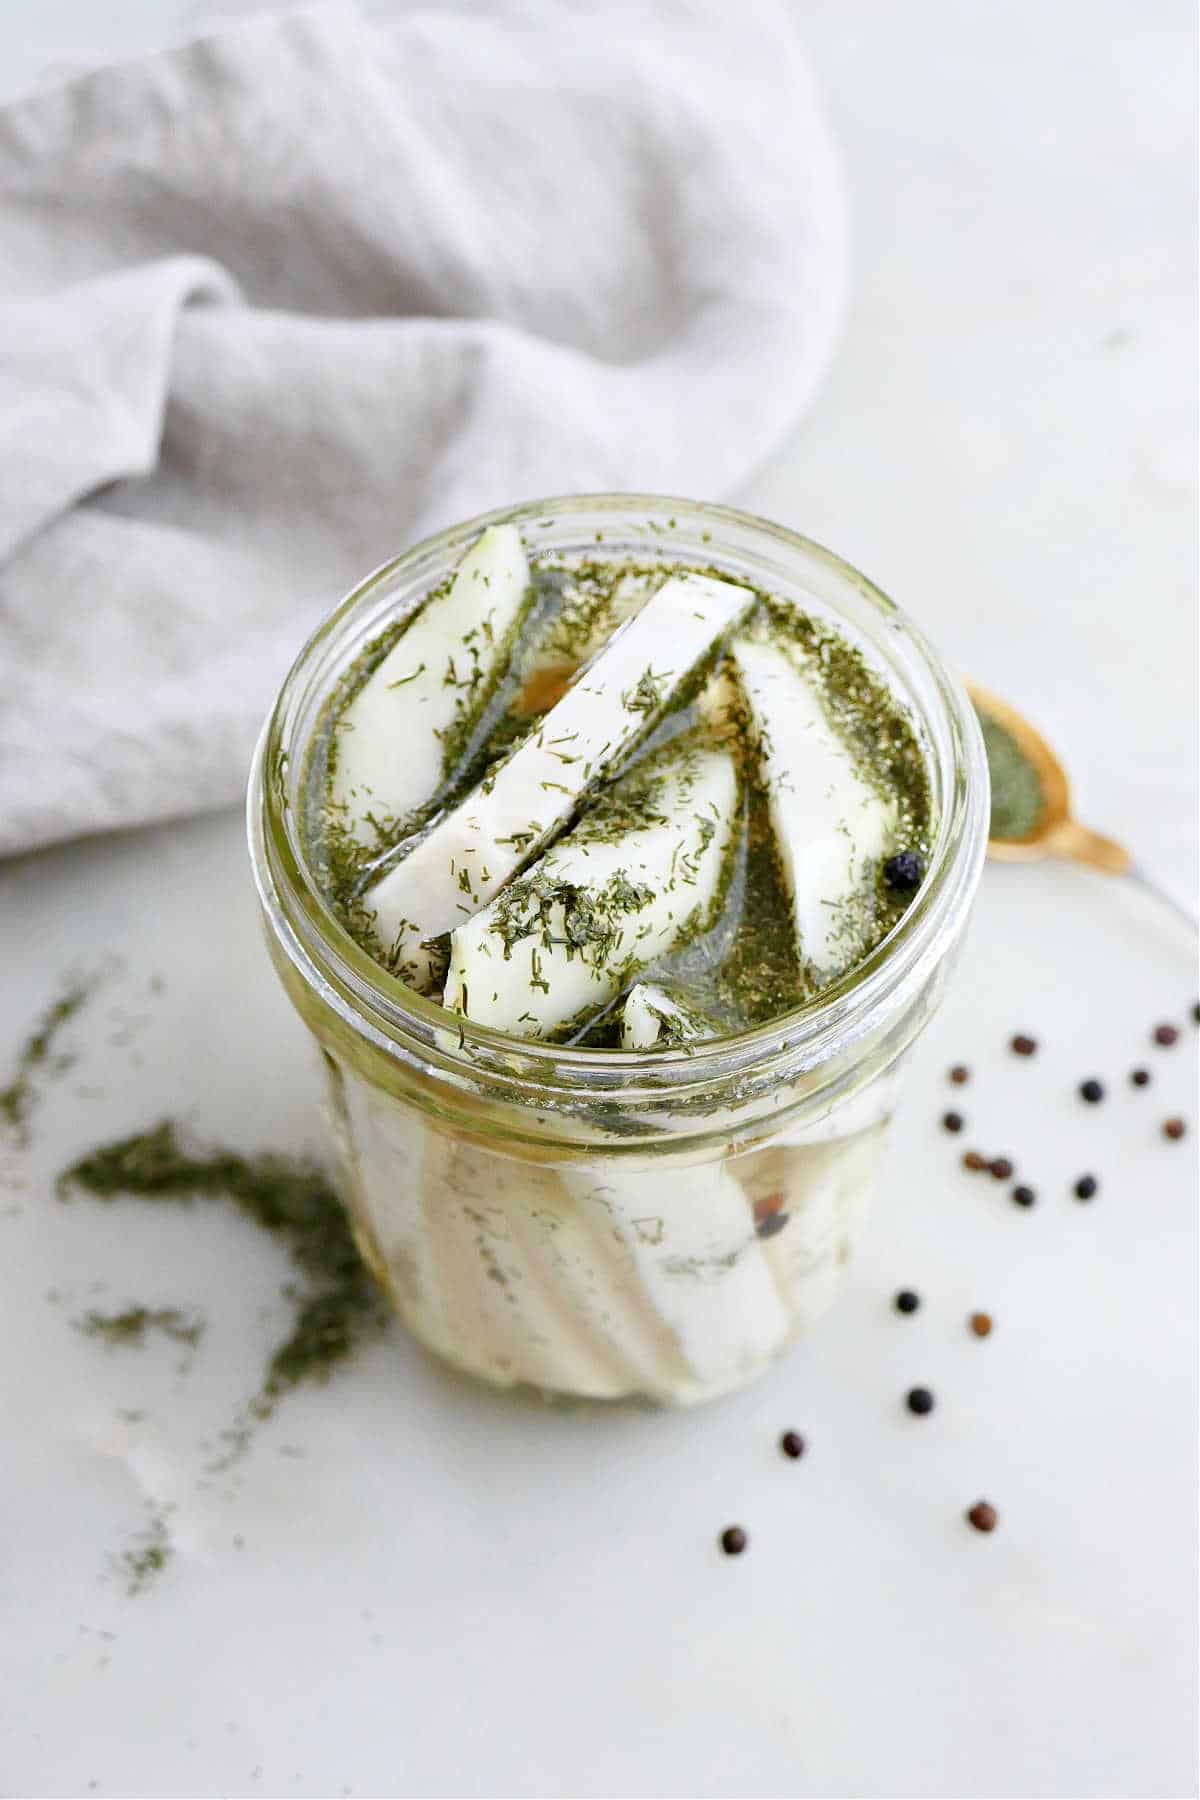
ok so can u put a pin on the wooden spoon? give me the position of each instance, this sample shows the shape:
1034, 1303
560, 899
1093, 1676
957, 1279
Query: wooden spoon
1057, 833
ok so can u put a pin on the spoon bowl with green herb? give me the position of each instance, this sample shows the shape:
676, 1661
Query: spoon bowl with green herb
1031, 796
1031, 801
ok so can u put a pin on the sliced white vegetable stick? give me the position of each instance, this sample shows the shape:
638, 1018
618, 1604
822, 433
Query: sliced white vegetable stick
651, 1016
703, 1269
640, 870
829, 825
438, 676
469, 854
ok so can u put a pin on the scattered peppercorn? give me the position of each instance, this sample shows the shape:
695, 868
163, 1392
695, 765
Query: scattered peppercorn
903, 872
981, 1324
1196, 1013
919, 1400
733, 1540
1024, 1196
960, 1074
1140, 1077
1085, 1187
973, 1160
1091, 1091
1166, 1035
953, 1121
1002, 1168
792, 1444
906, 1301
1174, 1128
1022, 1045
982, 1516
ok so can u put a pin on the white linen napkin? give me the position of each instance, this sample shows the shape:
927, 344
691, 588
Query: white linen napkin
275, 304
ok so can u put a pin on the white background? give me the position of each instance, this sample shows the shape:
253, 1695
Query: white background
447, 1595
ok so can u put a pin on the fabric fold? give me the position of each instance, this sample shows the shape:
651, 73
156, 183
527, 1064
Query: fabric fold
275, 304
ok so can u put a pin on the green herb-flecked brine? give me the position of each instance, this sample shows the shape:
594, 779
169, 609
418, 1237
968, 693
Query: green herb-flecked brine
564, 790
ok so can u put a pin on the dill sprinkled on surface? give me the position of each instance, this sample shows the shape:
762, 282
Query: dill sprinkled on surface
150, 1556
19, 1098
131, 1326
563, 913
337, 1309
647, 696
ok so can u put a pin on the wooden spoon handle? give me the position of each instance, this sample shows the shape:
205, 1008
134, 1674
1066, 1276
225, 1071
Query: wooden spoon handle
1081, 845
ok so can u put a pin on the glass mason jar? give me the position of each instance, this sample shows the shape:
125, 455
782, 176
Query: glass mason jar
610, 1223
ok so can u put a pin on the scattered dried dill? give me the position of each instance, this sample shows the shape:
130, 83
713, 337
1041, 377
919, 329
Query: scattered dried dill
18, 1099
337, 1308
150, 1556
131, 1326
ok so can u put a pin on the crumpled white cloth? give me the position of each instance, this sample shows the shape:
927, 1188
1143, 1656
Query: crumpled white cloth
275, 304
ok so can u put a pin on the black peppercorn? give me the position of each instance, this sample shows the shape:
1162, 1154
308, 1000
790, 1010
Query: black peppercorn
953, 1121
1024, 1196
733, 1540
919, 1400
903, 872
1091, 1091
1085, 1187
1002, 1168
1140, 1077
792, 1444
906, 1301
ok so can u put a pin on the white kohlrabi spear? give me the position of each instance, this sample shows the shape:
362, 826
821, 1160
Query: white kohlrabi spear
651, 1017
470, 853
437, 677
829, 825
641, 871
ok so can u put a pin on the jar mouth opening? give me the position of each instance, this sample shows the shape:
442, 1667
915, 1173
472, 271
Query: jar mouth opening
377, 1005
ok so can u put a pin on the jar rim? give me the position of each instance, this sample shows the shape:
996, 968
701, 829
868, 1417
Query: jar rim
397, 1020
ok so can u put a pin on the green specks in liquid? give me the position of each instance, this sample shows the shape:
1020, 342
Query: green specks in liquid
740, 964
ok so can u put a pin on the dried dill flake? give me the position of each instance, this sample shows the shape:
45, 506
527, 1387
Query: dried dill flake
18, 1099
132, 1325
149, 1557
646, 697
339, 1306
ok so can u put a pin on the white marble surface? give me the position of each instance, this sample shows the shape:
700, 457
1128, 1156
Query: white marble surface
446, 1595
